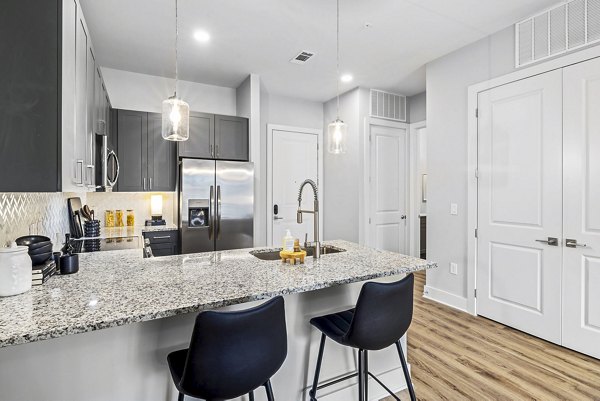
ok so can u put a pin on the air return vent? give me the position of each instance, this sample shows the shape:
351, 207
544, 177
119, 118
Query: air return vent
388, 105
302, 57
566, 27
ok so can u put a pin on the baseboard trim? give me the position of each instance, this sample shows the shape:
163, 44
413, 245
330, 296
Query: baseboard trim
446, 298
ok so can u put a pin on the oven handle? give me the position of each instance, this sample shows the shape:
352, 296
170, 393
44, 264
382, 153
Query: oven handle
112, 154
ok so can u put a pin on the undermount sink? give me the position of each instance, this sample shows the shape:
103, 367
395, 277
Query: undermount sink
273, 254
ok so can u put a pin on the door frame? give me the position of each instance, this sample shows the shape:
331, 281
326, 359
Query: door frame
413, 223
271, 128
366, 188
472, 150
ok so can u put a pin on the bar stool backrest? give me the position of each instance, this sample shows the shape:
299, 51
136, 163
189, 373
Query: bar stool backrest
382, 315
233, 353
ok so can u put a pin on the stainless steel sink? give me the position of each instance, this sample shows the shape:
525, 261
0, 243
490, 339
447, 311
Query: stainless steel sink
273, 254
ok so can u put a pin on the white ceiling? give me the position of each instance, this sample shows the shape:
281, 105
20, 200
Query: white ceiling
260, 36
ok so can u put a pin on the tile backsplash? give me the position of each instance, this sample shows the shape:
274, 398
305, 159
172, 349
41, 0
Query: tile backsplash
46, 213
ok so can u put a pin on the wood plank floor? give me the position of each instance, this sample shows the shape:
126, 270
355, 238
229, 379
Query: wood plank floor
456, 356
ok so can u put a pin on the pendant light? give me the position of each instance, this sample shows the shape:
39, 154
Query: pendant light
337, 130
175, 112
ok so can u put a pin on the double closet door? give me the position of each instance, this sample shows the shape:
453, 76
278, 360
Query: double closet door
538, 264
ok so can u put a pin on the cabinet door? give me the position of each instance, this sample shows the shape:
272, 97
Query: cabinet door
90, 116
231, 138
162, 157
201, 141
80, 134
132, 127
29, 145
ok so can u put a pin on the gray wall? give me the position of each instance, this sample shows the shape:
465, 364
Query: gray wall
447, 81
417, 107
343, 173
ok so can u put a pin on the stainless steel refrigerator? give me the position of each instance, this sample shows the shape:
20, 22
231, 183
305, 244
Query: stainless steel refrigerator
216, 205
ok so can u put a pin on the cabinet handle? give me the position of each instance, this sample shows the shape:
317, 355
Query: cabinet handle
217, 150
80, 163
162, 237
210, 149
150, 180
144, 179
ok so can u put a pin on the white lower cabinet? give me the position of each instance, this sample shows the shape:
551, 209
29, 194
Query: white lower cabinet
538, 264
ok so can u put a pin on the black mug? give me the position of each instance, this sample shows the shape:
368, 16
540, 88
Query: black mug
69, 264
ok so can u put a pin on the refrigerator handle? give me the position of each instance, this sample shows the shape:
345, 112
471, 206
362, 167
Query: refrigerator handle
211, 220
218, 211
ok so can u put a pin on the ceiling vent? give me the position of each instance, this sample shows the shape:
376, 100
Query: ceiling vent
568, 26
388, 105
302, 57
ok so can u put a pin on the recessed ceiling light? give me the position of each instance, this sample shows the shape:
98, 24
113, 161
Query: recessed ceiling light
202, 36
346, 78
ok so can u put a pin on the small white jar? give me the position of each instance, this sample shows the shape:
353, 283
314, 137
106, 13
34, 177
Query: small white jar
15, 270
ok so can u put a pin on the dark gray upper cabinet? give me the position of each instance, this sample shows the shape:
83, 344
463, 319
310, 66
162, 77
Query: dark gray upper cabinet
201, 141
216, 137
231, 138
132, 145
147, 161
30, 127
162, 157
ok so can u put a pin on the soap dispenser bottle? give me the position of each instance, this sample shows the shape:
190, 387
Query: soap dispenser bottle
288, 241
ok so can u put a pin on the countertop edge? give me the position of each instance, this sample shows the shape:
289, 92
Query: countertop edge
95, 326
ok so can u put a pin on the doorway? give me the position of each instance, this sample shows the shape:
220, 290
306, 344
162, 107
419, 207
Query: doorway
293, 155
418, 198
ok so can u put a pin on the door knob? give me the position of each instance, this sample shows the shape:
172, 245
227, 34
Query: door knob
403, 217
572, 243
550, 241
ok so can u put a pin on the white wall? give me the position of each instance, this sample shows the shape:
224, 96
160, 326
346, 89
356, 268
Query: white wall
447, 81
417, 107
133, 91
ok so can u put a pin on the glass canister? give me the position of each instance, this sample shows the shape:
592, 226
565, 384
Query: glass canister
130, 218
109, 218
119, 218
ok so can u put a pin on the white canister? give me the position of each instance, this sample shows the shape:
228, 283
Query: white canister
15, 270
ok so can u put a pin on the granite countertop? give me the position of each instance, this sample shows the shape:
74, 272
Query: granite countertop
115, 288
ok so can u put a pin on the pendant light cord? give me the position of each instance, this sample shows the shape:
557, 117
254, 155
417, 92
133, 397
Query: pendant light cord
337, 56
176, 43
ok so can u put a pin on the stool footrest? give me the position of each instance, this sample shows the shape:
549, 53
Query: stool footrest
336, 381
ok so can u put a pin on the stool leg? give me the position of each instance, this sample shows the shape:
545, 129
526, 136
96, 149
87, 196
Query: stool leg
269, 390
180, 397
366, 374
313, 392
411, 390
251, 396
361, 391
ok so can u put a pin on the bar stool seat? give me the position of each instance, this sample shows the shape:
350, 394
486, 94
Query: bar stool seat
381, 317
335, 325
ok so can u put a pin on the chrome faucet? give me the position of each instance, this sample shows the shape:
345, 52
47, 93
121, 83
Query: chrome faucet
315, 213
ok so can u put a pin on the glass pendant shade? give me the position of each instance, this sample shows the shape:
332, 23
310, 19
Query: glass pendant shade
336, 137
175, 119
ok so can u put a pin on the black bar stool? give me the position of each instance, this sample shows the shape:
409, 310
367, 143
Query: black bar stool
232, 353
381, 317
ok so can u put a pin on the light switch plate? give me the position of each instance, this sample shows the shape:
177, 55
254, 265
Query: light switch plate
454, 209
453, 268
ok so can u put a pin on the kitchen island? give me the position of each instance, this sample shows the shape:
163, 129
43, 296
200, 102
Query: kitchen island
134, 311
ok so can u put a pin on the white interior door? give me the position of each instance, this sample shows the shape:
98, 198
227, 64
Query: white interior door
295, 157
581, 267
388, 183
520, 203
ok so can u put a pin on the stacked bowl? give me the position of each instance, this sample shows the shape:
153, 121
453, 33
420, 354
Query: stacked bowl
39, 248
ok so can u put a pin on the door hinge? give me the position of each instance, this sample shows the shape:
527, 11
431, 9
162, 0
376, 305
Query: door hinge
476, 173
475, 292
369, 220
370, 137
476, 233
477, 113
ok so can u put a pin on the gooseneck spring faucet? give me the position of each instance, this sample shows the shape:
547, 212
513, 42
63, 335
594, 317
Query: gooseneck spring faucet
315, 213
